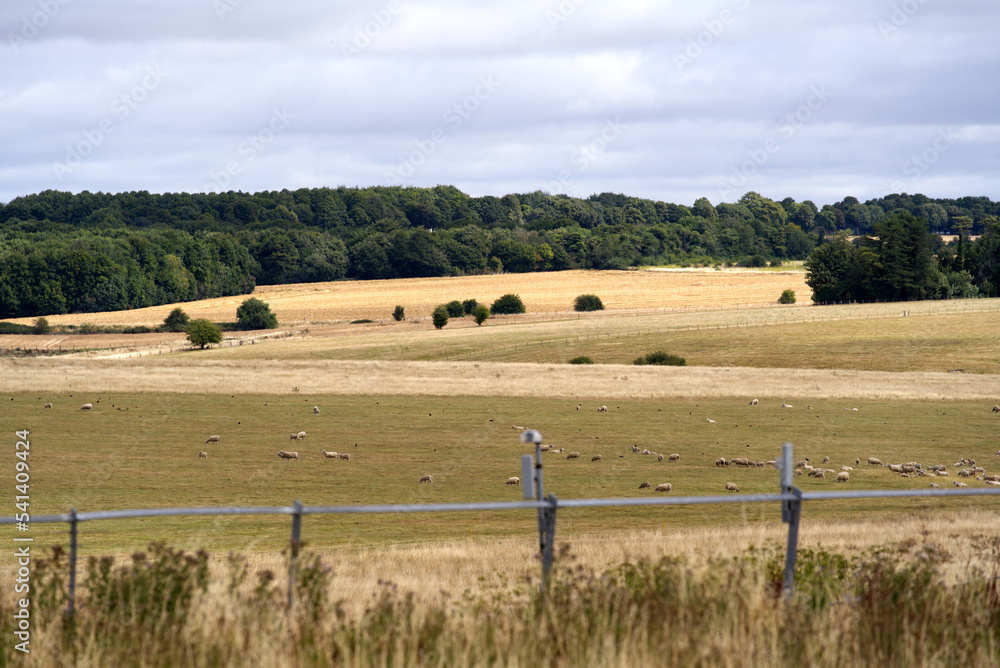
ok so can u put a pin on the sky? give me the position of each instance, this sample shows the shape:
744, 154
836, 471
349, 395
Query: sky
664, 100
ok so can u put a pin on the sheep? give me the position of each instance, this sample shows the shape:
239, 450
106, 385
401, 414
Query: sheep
996, 409
896, 468
845, 467
960, 484
579, 406
316, 410
825, 460
635, 449
722, 461
992, 477
942, 473
674, 456
909, 468
602, 409
288, 454
857, 462
843, 476
202, 455
965, 473
644, 484
427, 478
47, 405
732, 487
665, 487
875, 461
517, 427
753, 402
87, 407
993, 483
595, 458
798, 471
741, 461
934, 484
345, 456
787, 406
573, 455
659, 458
294, 436
214, 438
709, 420
301, 435
645, 451
328, 455
514, 480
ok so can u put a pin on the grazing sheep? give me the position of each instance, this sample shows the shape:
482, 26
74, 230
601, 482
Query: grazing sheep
573, 455
996, 409
710, 420
942, 473
301, 435
825, 460
86, 407
909, 468
753, 402
818, 473
202, 455
602, 409
787, 406
857, 462
595, 458
934, 484
345, 456
659, 458
288, 454
896, 468
993, 483
965, 473
665, 487
994, 477
645, 452
732, 487
644, 484
843, 476
722, 461
635, 449
674, 457
960, 484
845, 467
798, 471
47, 405
329, 455
741, 461
579, 406
214, 438
514, 480
316, 410
294, 437
427, 478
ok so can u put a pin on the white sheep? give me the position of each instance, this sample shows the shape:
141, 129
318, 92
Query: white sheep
288, 454
960, 484
845, 467
787, 406
732, 487
345, 456
86, 407
579, 406
934, 484
942, 473
427, 478
896, 468
722, 461
294, 436
995, 477
47, 405
214, 438
665, 487
644, 484
753, 402
595, 458
825, 460
674, 457
875, 461
635, 449
328, 455
602, 409
202, 455
301, 435
710, 420
996, 409
818, 473
993, 483
843, 476
645, 452
517, 427
513, 480
659, 458
316, 410
573, 455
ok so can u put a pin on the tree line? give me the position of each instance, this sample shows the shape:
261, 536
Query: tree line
61, 252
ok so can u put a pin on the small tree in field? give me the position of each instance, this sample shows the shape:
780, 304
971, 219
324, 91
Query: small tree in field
202, 332
588, 303
787, 297
41, 326
255, 314
399, 314
470, 306
582, 359
509, 304
481, 314
455, 309
177, 321
440, 316
660, 358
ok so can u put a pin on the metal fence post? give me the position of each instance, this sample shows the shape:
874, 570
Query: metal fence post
71, 597
294, 548
790, 513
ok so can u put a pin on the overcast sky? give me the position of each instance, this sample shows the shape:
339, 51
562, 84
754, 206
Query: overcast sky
666, 100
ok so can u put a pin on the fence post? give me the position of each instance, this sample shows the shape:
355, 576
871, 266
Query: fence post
294, 548
547, 537
71, 598
790, 512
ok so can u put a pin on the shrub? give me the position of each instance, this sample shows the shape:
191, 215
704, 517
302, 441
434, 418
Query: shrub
14, 328
660, 358
470, 306
201, 332
787, 297
507, 305
399, 314
588, 303
582, 359
177, 321
255, 314
41, 326
775, 262
440, 316
482, 314
755, 261
455, 309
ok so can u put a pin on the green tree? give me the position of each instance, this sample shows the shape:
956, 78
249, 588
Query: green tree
176, 321
399, 314
787, 297
255, 314
833, 272
660, 358
482, 314
470, 306
588, 303
508, 304
440, 316
455, 309
41, 326
202, 332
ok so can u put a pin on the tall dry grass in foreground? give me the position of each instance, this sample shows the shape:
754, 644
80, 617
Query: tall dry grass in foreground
924, 601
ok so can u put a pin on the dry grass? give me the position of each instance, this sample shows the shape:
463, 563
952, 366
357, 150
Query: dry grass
541, 292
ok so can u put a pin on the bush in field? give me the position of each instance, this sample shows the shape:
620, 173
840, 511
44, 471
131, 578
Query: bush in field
787, 297
202, 332
582, 359
481, 314
255, 314
41, 326
440, 316
470, 306
507, 305
660, 358
455, 309
588, 303
177, 321
399, 314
